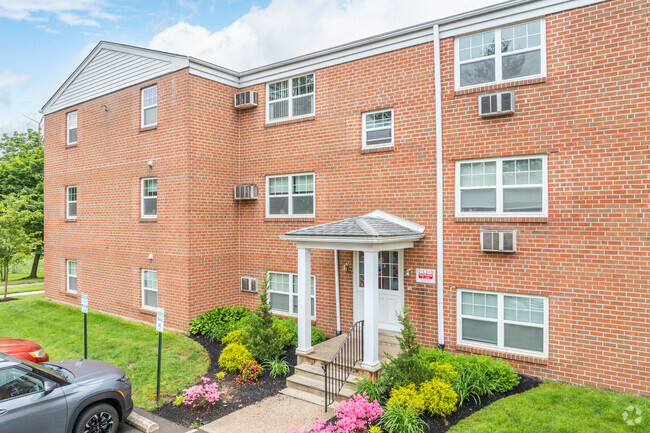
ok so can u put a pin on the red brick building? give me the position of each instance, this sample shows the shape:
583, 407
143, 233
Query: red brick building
533, 144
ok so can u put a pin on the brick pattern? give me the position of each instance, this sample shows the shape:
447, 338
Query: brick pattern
589, 256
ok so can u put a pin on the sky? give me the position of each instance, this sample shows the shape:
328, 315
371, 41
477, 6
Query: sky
43, 41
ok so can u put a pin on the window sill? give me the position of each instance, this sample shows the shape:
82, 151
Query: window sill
290, 121
377, 149
71, 145
500, 219
71, 294
148, 220
499, 86
529, 359
290, 219
147, 128
148, 311
71, 220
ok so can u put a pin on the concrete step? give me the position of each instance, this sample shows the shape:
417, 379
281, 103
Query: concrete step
317, 386
316, 372
305, 396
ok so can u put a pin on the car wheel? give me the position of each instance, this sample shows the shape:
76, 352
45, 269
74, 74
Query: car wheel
99, 418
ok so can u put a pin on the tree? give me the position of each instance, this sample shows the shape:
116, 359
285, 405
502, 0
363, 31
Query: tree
15, 241
21, 174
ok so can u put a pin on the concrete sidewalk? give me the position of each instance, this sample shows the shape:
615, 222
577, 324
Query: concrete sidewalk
38, 292
277, 414
23, 285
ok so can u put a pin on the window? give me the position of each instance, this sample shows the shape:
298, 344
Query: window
150, 106
71, 202
72, 128
290, 98
514, 186
283, 293
500, 55
72, 275
388, 270
377, 129
149, 289
290, 195
16, 382
503, 321
149, 197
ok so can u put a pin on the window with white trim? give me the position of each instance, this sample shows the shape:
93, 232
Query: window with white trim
150, 106
290, 195
377, 129
71, 274
504, 321
388, 270
71, 202
149, 289
291, 98
509, 186
149, 197
501, 55
72, 128
283, 293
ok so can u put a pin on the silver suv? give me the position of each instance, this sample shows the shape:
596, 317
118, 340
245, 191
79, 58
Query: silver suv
71, 396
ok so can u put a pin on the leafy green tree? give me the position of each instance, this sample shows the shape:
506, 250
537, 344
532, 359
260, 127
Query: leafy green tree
21, 174
15, 241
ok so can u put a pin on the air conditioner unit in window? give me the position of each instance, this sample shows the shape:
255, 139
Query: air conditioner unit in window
496, 104
246, 192
501, 241
248, 284
246, 99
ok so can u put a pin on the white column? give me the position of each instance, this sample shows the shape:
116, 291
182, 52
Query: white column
304, 302
370, 310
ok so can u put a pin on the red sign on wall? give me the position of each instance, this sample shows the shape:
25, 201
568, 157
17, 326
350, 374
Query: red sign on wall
425, 276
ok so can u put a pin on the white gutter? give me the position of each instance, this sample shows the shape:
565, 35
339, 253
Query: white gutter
439, 213
338, 294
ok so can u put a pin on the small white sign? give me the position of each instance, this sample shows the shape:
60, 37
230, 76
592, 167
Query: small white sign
84, 303
425, 276
160, 320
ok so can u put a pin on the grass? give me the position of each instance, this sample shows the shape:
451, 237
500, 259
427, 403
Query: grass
18, 272
131, 346
12, 290
558, 408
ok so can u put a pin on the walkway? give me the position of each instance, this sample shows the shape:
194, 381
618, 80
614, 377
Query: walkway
23, 285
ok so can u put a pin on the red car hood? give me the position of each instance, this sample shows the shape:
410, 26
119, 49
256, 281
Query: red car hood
15, 345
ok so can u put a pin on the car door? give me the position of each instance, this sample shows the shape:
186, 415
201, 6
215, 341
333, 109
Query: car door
25, 406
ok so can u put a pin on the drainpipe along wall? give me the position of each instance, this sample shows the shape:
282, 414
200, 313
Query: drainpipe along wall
439, 213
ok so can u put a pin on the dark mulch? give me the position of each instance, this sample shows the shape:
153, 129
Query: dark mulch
8, 299
234, 395
440, 425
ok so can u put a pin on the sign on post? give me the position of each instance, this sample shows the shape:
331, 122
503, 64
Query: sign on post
84, 309
160, 320
427, 276
84, 303
160, 326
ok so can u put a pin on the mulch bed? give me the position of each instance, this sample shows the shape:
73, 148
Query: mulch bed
8, 299
234, 395
439, 424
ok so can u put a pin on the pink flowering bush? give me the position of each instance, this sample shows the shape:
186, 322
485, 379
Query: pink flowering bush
353, 416
202, 394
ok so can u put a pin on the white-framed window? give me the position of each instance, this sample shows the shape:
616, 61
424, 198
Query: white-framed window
503, 321
149, 289
501, 55
283, 293
71, 202
505, 186
291, 98
150, 106
149, 203
71, 275
290, 195
72, 128
388, 263
378, 129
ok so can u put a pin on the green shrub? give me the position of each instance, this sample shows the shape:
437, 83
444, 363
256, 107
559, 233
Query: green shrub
397, 419
291, 326
277, 367
374, 390
444, 372
221, 375
178, 401
283, 333
218, 322
503, 375
317, 336
374, 429
233, 356
234, 336
408, 397
438, 397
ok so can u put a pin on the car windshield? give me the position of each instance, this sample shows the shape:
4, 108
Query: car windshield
52, 370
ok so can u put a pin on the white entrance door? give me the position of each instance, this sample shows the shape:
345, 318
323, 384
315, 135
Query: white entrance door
391, 288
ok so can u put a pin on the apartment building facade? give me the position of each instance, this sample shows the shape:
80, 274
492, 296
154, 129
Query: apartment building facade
506, 206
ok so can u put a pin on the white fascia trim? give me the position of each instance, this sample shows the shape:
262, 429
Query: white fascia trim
213, 72
353, 244
395, 219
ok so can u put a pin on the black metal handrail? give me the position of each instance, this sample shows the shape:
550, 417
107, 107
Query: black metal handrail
342, 364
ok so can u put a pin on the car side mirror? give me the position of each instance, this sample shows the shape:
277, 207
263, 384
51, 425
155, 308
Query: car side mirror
49, 386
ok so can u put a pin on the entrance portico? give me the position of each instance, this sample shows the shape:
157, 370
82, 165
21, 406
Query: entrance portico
367, 236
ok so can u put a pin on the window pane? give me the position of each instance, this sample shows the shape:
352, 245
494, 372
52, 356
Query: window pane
278, 185
522, 65
303, 105
279, 301
520, 37
278, 205
150, 116
477, 72
478, 200
279, 282
523, 309
303, 85
72, 120
379, 136
150, 280
150, 187
72, 193
72, 283
303, 205
72, 209
479, 330
378, 120
150, 96
15, 382
151, 298
303, 184
476, 46
72, 268
279, 90
72, 135
150, 206
522, 199
523, 337
278, 110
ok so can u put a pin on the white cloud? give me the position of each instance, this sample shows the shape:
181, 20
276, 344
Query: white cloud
73, 12
287, 28
9, 79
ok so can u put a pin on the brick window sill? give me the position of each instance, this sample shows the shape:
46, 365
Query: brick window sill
71, 294
378, 150
537, 220
290, 121
289, 219
148, 220
148, 312
505, 355
71, 220
70, 146
494, 87
147, 128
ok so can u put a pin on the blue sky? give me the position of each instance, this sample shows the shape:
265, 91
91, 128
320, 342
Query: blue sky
45, 40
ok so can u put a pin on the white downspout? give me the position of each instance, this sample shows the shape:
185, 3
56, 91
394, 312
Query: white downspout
439, 192
338, 294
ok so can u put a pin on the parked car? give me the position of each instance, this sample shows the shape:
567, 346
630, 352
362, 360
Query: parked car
71, 396
23, 349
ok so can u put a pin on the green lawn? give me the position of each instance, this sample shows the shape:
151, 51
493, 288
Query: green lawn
558, 408
131, 346
11, 290
18, 272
